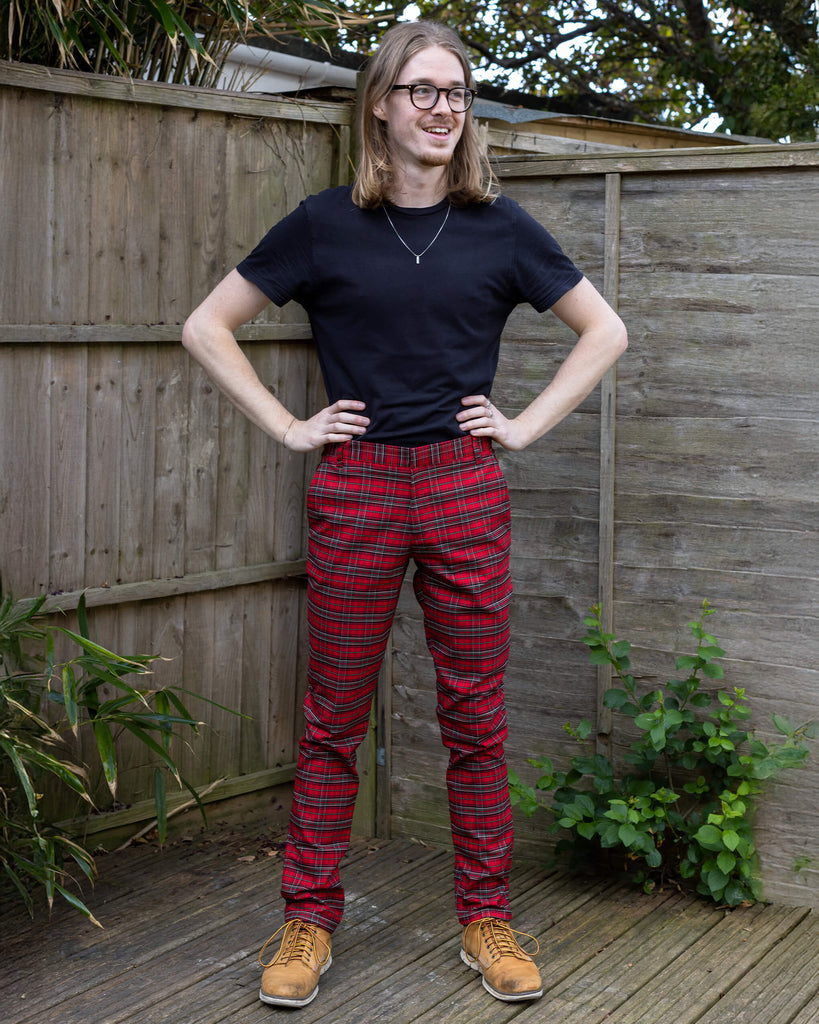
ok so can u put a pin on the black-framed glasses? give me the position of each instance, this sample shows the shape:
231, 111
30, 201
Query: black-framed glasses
425, 97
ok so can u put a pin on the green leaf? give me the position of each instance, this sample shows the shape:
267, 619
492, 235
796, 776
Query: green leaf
136, 664
70, 775
709, 837
783, 724
108, 757
77, 904
197, 800
735, 893
151, 744
70, 697
584, 728
82, 617
716, 881
711, 651
608, 834
24, 778
628, 834
726, 862
618, 810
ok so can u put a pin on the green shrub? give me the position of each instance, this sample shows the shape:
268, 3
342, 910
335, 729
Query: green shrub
681, 805
35, 852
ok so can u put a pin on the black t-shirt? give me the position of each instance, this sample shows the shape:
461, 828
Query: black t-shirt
409, 339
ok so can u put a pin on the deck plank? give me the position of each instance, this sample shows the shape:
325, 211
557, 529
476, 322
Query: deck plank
760, 997
183, 929
690, 986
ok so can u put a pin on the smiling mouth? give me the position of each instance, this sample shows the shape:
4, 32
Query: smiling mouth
438, 131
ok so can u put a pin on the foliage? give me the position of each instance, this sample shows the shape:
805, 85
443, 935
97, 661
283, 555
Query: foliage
755, 63
152, 39
682, 807
33, 753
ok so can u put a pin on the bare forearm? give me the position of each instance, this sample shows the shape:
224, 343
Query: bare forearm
215, 349
601, 340
209, 337
584, 367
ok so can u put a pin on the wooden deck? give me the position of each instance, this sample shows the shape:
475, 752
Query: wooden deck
183, 927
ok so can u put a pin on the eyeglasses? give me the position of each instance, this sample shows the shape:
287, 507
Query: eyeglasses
425, 97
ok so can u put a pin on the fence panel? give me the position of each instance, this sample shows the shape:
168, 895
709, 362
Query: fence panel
122, 470
711, 258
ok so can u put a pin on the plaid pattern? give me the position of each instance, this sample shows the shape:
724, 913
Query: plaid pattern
371, 509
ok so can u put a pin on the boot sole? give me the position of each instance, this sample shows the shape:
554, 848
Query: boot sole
506, 997
294, 1003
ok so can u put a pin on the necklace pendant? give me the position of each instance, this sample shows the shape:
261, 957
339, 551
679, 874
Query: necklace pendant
418, 255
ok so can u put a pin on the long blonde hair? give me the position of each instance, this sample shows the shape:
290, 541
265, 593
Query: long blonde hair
469, 175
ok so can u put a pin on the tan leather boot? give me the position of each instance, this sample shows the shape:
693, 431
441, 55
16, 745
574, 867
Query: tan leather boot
291, 978
490, 946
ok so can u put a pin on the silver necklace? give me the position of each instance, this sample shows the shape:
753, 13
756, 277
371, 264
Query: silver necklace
418, 255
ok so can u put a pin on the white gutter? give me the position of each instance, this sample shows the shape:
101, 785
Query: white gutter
254, 69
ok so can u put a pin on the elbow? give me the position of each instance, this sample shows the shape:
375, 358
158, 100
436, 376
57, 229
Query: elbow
191, 334
619, 338
188, 332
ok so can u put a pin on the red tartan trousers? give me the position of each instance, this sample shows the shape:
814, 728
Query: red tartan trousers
373, 508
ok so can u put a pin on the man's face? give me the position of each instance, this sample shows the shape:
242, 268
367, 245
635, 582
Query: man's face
423, 138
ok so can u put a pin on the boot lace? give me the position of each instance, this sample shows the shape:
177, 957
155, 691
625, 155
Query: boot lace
299, 942
500, 940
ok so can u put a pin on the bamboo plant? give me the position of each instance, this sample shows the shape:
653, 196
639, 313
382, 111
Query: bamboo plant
43, 704
186, 42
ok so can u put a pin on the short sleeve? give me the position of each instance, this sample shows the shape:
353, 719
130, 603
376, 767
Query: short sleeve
543, 272
280, 265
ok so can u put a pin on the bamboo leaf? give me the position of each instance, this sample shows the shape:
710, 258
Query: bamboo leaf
94, 648
69, 774
82, 617
108, 757
213, 703
78, 904
17, 882
151, 744
34, 719
70, 697
11, 751
197, 799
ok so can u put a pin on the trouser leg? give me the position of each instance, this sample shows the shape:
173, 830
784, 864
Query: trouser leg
463, 585
356, 562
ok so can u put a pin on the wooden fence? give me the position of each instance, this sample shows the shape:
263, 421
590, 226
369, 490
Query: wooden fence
122, 470
698, 480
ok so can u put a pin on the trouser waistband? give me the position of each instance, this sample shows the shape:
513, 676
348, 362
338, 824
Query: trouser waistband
458, 449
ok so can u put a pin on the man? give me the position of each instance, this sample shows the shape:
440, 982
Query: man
408, 279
